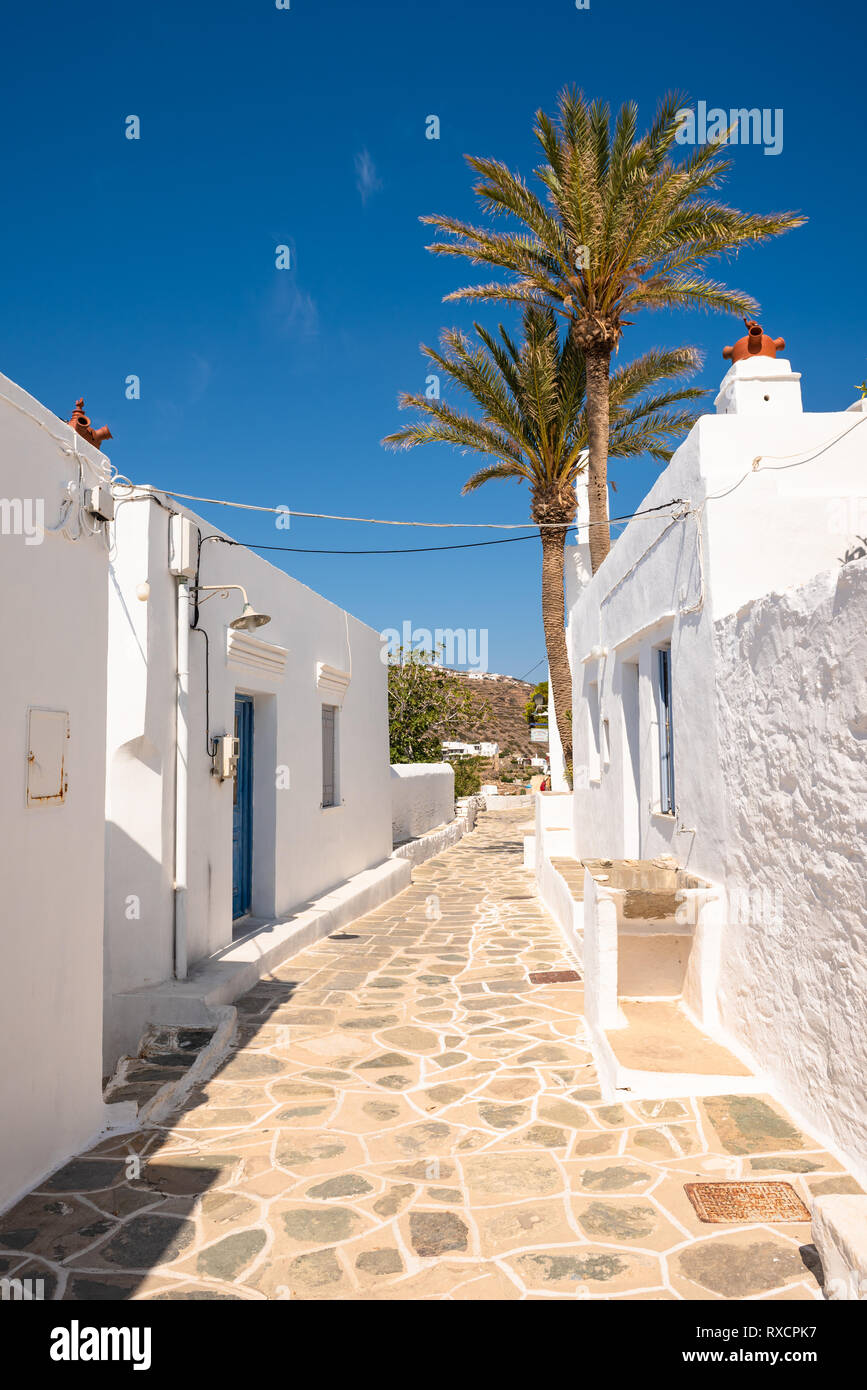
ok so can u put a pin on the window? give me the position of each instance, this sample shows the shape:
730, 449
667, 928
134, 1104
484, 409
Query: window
666, 731
594, 751
329, 755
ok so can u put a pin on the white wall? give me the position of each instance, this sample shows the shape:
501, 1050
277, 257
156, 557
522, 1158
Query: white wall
300, 849
628, 607
792, 710
776, 529
576, 574
559, 782
53, 639
422, 797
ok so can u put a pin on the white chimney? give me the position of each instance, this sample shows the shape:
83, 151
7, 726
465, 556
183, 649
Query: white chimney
760, 386
759, 382
579, 571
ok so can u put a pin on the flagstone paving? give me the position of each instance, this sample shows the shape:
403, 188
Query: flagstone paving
406, 1116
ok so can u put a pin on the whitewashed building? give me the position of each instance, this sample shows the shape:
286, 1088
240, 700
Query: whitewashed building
53, 632
249, 802
193, 789
720, 738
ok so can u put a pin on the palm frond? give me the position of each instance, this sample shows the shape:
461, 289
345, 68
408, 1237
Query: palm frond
496, 471
531, 404
659, 364
690, 292
641, 203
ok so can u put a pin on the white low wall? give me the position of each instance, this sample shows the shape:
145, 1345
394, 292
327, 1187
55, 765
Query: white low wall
422, 797
840, 1236
510, 803
427, 846
553, 840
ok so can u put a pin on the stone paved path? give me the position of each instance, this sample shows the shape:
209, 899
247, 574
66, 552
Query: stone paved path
407, 1117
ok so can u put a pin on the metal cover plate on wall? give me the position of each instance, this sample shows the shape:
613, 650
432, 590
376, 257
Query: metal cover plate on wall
719, 1202
47, 737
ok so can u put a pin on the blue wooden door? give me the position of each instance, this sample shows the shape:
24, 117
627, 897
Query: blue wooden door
242, 810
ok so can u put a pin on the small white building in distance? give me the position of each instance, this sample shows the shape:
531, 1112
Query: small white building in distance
457, 749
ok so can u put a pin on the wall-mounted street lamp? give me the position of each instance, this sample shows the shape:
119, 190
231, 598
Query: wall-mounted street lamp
249, 619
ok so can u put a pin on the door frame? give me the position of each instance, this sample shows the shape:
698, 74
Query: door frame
242, 809
630, 705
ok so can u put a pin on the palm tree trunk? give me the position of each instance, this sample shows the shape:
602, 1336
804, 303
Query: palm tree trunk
598, 366
553, 615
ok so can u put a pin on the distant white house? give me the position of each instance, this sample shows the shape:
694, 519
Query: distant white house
457, 749
720, 719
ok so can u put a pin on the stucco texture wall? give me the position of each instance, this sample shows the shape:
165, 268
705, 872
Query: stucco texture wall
792, 718
422, 797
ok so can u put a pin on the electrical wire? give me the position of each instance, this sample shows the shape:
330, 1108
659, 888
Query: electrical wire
363, 520
467, 525
759, 467
533, 668
461, 545
409, 550
378, 521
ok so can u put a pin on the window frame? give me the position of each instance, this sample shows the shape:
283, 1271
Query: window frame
665, 721
594, 725
334, 789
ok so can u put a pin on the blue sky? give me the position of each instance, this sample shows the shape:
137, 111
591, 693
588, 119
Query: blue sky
306, 127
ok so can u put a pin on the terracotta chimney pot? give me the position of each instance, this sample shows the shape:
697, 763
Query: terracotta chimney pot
755, 344
81, 424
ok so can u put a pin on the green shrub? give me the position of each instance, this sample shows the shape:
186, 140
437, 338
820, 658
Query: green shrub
467, 778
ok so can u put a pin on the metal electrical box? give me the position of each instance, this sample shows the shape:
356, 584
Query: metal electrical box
182, 546
226, 752
47, 741
100, 502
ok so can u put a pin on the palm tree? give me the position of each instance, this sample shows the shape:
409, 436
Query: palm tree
620, 226
534, 426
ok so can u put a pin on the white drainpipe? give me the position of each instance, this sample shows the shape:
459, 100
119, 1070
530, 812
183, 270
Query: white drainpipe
182, 746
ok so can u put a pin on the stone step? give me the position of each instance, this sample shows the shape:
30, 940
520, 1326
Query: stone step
661, 1052
164, 1057
643, 875
572, 873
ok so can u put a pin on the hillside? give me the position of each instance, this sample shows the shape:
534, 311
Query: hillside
506, 724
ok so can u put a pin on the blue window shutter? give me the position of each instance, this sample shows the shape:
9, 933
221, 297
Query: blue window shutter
329, 789
666, 732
